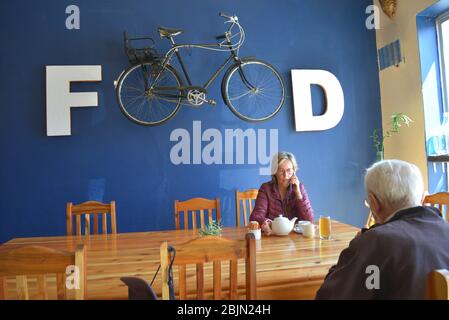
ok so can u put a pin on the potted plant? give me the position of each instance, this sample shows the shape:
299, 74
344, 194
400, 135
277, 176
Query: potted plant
398, 119
212, 229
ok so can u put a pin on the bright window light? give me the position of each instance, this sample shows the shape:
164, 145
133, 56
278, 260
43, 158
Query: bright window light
443, 37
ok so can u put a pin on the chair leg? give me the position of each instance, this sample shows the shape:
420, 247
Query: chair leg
3, 288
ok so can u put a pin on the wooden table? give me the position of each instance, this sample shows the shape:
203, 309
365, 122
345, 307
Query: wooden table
289, 267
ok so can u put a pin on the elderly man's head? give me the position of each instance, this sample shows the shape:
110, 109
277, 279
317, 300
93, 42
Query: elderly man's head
393, 185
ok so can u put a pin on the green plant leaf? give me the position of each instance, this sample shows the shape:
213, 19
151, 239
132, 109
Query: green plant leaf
212, 229
398, 119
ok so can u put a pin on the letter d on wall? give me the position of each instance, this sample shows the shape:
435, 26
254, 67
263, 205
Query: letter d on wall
60, 99
302, 100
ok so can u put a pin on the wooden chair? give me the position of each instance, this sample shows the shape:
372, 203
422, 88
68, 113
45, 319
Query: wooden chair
242, 198
213, 249
438, 285
87, 209
194, 205
40, 261
439, 200
370, 220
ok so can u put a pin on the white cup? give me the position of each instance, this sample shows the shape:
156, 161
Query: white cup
257, 233
300, 225
308, 230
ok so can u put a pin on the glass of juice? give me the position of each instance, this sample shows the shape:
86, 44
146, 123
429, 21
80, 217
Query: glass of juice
325, 227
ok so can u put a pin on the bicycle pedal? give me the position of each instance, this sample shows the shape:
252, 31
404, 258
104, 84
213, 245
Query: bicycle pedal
212, 102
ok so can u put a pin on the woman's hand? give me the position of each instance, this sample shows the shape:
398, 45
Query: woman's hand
266, 228
295, 183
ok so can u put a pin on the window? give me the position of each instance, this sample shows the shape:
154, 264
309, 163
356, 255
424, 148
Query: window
443, 43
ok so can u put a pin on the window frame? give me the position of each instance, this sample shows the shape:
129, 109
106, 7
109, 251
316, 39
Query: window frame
443, 76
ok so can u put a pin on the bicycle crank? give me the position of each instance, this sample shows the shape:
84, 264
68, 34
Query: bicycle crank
196, 98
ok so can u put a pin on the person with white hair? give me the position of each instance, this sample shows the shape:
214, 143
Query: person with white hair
283, 195
392, 259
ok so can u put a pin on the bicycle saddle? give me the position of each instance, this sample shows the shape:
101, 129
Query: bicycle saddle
165, 32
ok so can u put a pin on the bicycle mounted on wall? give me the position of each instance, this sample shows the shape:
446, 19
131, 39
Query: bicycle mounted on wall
150, 91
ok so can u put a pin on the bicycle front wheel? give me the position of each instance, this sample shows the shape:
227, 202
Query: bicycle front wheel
149, 95
253, 90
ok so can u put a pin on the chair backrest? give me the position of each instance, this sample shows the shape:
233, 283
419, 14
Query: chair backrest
138, 289
194, 205
438, 285
39, 262
440, 200
240, 199
213, 249
87, 209
370, 220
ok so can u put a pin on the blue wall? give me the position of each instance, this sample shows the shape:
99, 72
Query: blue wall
110, 158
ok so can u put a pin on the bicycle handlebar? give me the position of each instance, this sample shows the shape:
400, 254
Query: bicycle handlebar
232, 18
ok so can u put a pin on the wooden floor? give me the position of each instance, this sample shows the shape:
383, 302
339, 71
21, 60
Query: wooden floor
289, 267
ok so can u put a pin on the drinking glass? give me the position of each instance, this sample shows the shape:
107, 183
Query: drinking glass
325, 227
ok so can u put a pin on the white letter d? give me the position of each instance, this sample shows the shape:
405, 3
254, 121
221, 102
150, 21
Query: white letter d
302, 100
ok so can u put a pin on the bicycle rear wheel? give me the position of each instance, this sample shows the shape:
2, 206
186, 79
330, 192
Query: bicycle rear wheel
253, 90
144, 105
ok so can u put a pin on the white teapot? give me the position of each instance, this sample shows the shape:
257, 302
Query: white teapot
281, 226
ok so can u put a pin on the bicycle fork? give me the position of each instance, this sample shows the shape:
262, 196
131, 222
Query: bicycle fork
244, 79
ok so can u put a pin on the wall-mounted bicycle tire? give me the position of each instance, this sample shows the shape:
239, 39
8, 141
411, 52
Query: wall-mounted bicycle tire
258, 94
143, 107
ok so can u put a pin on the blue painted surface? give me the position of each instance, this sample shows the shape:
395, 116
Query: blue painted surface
390, 55
110, 158
435, 10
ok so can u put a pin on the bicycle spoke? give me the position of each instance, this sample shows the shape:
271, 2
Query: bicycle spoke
135, 99
133, 88
241, 95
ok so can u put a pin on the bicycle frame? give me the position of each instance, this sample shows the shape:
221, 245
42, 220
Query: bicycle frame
175, 51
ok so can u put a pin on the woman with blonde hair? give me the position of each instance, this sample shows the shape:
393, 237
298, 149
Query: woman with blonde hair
283, 195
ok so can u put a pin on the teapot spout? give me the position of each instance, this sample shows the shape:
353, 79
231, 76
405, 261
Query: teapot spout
293, 220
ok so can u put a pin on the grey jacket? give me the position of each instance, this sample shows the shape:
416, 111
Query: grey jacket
391, 260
